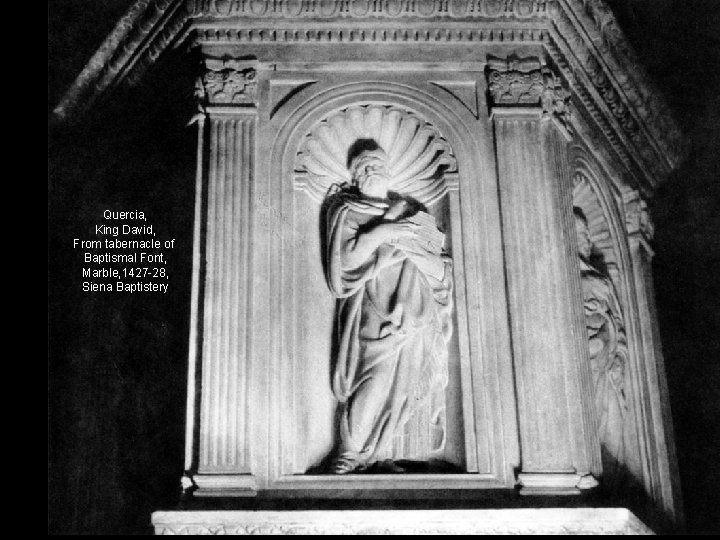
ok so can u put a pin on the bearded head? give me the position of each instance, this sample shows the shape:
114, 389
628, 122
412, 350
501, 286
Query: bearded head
369, 173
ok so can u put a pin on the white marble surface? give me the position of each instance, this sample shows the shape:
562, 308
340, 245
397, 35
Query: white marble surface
507, 521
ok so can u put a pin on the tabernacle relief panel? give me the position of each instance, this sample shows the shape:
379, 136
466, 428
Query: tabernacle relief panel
381, 374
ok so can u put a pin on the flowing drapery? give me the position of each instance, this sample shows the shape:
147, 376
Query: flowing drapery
393, 324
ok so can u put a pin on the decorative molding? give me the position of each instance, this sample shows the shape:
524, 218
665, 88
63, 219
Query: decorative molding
118, 53
523, 82
509, 521
353, 32
223, 485
594, 83
637, 216
555, 484
375, 9
622, 64
282, 90
464, 91
593, 142
228, 81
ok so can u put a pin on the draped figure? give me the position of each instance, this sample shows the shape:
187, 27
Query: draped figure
608, 352
393, 321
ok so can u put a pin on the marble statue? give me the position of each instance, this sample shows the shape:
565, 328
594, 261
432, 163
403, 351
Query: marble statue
386, 266
608, 351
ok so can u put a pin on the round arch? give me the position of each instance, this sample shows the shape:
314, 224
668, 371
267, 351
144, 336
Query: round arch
308, 112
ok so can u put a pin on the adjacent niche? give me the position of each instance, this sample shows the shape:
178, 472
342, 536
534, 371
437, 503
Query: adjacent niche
608, 333
422, 170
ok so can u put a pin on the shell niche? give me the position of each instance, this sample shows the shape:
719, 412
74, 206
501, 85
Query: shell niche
418, 155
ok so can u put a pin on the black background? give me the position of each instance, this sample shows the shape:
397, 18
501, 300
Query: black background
117, 362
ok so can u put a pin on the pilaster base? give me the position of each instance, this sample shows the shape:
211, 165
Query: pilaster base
219, 485
555, 483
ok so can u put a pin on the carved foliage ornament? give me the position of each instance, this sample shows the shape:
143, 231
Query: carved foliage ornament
526, 82
418, 155
637, 216
227, 82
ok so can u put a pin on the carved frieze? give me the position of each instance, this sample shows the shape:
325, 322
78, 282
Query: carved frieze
366, 8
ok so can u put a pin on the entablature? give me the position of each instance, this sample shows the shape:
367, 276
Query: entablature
580, 37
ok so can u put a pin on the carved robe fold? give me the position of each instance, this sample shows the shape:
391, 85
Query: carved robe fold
608, 358
393, 325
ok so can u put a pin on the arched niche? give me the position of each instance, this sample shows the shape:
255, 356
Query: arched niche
595, 195
422, 168
442, 166
588, 196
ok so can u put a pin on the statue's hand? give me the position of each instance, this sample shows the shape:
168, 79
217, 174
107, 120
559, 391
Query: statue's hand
394, 231
397, 209
361, 247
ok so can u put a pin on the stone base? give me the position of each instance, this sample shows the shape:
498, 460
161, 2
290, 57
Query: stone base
510, 521
554, 483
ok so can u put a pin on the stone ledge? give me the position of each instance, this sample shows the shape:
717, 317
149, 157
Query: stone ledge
507, 521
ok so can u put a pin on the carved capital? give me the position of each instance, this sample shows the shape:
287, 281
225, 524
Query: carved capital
527, 82
637, 216
226, 81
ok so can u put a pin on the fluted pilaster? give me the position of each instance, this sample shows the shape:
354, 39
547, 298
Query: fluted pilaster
217, 455
584, 419
663, 483
558, 437
224, 377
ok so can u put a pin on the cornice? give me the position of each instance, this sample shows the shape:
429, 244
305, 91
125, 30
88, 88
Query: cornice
632, 115
115, 58
581, 36
624, 66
